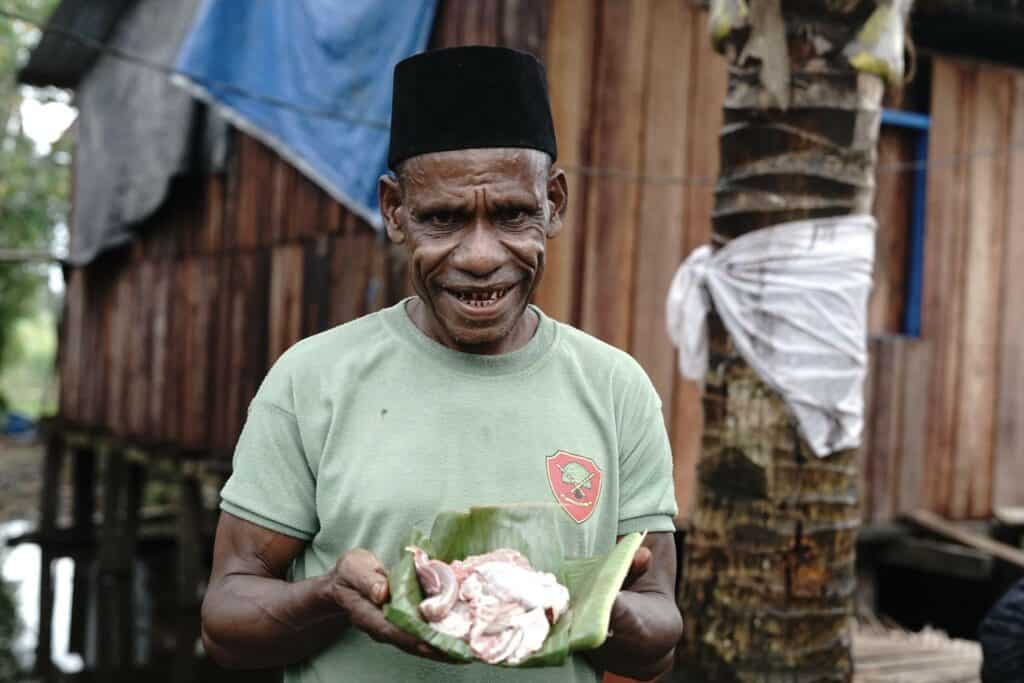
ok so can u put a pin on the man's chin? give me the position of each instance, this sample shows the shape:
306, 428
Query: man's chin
471, 337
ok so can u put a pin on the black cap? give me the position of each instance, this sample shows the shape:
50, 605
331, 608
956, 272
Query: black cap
469, 97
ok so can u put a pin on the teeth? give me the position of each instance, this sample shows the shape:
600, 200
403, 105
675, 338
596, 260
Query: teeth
480, 299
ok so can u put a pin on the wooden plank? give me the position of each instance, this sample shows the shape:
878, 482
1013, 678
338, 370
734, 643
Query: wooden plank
178, 330
944, 559
979, 320
569, 67
213, 213
116, 349
865, 454
333, 215
282, 180
127, 541
185, 198
83, 508
685, 433
1008, 470
351, 265
139, 344
109, 650
311, 199
200, 295
48, 506
942, 278
189, 571
285, 299
914, 456
707, 83
887, 413
376, 286
475, 22
522, 25
612, 205
232, 183
256, 163
892, 210
100, 377
315, 287
466, 22
223, 357
158, 397
72, 340
660, 231
933, 523
248, 333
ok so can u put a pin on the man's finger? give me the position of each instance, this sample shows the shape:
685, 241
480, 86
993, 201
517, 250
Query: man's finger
361, 570
370, 619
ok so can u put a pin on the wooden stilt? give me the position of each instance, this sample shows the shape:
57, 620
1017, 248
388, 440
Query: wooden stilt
83, 506
134, 483
122, 497
108, 648
53, 460
190, 517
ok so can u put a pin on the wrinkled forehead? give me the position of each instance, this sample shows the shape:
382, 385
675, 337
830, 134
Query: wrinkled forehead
498, 169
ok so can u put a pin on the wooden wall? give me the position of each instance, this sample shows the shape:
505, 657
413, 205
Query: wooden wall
973, 308
167, 340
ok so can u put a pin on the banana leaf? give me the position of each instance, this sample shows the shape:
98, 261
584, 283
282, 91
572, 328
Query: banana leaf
593, 582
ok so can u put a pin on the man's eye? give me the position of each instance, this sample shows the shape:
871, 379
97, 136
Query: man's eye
443, 219
513, 216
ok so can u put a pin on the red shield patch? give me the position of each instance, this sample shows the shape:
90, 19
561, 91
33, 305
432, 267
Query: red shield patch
576, 483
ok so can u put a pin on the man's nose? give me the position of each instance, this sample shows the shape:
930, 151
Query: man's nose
479, 252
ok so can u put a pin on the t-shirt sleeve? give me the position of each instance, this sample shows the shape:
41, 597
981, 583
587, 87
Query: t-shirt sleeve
646, 489
272, 484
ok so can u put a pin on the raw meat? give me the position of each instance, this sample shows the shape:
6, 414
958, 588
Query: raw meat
438, 581
496, 602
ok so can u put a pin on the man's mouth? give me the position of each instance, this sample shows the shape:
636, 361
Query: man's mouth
480, 298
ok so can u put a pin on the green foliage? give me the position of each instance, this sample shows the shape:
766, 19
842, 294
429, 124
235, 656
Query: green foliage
27, 380
33, 185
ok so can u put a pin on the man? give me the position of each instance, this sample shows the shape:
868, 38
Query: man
462, 395
1002, 638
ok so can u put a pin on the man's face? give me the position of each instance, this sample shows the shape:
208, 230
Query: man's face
476, 223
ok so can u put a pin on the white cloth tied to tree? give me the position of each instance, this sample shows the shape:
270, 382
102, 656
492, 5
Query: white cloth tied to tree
794, 299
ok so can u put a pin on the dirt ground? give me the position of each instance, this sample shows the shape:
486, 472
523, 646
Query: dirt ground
20, 479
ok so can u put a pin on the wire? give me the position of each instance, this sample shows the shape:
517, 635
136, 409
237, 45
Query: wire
623, 175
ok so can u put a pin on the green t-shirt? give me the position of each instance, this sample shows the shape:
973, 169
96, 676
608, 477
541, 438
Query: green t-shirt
362, 432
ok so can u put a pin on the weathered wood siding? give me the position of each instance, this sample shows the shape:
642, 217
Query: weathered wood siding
973, 309
166, 341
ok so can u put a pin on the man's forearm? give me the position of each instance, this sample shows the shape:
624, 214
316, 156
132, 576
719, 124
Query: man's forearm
643, 645
252, 622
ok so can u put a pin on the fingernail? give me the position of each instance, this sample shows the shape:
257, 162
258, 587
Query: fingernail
379, 592
425, 649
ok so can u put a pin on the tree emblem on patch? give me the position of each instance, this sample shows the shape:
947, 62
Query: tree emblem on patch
576, 483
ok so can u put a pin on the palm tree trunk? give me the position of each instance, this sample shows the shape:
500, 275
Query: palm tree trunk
769, 576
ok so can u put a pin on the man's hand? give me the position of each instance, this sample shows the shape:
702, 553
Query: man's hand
253, 618
645, 622
359, 586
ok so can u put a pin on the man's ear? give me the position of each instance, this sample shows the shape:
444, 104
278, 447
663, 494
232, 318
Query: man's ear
558, 200
390, 197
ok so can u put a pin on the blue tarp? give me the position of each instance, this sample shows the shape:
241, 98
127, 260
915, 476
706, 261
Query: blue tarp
311, 79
